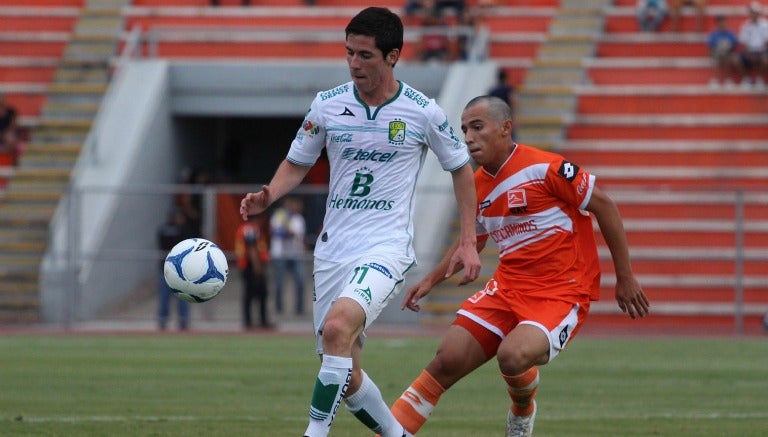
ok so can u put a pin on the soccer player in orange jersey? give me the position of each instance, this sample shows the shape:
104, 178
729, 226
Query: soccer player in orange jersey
532, 204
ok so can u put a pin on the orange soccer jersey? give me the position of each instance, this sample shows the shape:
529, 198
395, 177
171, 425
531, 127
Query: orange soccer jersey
533, 210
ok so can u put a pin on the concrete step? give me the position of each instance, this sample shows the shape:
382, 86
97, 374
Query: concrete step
13, 195
42, 175
34, 148
13, 289
34, 186
57, 89
62, 129
22, 213
14, 264
95, 75
63, 161
567, 47
555, 76
23, 247
8, 235
22, 311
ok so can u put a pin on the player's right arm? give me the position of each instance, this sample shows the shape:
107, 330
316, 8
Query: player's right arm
287, 177
444, 270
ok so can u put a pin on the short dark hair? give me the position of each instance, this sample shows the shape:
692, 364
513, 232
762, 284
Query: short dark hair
497, 108
383, 25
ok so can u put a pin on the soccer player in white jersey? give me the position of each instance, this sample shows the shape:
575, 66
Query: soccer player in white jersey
377, 131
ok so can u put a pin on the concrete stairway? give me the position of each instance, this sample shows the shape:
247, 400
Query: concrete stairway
42, 176
546, 99
546, 102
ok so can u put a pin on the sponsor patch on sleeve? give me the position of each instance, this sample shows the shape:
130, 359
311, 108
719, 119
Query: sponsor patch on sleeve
568, 170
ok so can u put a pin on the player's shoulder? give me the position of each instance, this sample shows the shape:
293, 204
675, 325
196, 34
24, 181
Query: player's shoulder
415, 96
335, 93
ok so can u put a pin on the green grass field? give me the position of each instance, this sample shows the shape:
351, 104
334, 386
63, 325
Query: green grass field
240, 385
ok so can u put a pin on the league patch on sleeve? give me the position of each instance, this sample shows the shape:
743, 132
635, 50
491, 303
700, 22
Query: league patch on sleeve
568, 170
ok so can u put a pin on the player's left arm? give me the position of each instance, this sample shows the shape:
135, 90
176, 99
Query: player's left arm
466, 252
629, 294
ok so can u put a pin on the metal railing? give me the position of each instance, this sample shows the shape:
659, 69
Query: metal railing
136, 244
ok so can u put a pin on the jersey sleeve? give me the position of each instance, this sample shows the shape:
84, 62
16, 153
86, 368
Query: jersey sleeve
310, 138
571, 183
450, 150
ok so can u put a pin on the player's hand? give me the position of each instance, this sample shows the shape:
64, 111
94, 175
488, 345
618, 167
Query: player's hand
465, 255
414, 294
254, 203
631, 298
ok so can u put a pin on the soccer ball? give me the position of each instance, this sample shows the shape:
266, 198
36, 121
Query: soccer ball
196, 270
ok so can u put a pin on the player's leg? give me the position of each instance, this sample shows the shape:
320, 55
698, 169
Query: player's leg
247, 296
163, 302
524, 348
365, 291
278, 269
546, 326
262, 295
374, 284
183, 310
296, 267
458, 355
335, 373
367, 404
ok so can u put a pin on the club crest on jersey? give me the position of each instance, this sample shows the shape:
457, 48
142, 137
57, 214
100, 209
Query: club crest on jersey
310, 129
516, 200
397, 132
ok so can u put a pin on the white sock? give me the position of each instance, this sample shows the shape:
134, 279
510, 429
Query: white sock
369, 407
331, 384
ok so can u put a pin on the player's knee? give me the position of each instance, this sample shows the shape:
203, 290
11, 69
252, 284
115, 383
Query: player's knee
337, 334
447, 367
516, 360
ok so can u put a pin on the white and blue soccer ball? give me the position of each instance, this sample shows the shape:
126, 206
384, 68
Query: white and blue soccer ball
196, 270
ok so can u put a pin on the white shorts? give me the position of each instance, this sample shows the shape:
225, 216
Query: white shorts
372, 281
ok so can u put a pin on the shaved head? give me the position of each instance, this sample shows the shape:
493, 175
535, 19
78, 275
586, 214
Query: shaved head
498, 109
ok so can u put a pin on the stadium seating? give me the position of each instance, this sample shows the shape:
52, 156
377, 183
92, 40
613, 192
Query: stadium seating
54, 57
671, 151
647, 121
634, 108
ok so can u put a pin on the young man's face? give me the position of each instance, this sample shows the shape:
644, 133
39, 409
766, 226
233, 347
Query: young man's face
484, 136
367, 64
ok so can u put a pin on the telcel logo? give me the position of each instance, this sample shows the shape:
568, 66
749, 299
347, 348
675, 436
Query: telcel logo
351, 153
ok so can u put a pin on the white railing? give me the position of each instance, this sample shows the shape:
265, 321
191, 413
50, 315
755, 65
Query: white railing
740, 279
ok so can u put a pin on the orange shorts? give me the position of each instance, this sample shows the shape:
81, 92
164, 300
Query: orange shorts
490, 314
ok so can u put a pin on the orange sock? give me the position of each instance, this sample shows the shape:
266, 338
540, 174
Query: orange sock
415, 405
522, 389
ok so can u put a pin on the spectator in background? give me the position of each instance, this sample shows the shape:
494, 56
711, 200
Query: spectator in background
753, 37
422, 8
173, 231
9, 135
251, 250
434, 44
287, 249
455, 6
192, 202
675, 11
317, 181
468, 22
506, 92
723, 44
650, 14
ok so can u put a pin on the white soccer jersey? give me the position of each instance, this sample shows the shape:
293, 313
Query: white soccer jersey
375, 155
